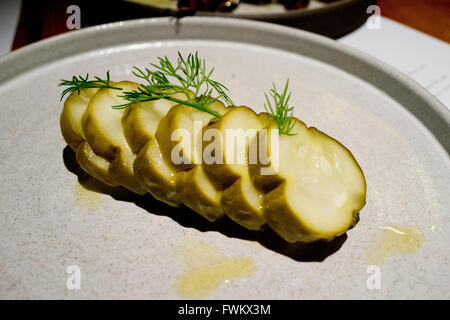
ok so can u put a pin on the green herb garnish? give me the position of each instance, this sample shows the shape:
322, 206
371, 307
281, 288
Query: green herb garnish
281, 111
79, 82
189, 77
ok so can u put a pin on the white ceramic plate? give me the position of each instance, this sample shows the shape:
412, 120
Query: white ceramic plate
126, 247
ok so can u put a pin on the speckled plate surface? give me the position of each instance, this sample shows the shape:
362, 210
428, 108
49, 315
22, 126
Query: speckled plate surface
129, 247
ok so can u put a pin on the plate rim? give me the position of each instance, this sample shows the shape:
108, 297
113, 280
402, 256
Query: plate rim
411, 96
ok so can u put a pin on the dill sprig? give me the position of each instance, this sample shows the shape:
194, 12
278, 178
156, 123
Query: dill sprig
280, 110
189, 77
79, 82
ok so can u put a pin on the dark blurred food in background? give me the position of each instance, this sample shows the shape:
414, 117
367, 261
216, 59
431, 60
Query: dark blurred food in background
230, 5
331, 18
334, 18
46, 18
208, 5
294, 4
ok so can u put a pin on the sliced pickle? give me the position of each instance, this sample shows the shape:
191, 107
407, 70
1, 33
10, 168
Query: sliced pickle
263, 171
193, 187
320, 187
70, 120
96, 166
140, 120
104, 133
306, 187
196, 191
241, 201
155, 174
236, 129
71, 128
182, 120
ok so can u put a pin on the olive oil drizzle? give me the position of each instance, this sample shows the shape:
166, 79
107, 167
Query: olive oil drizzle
392, 240
85, 198
206, 268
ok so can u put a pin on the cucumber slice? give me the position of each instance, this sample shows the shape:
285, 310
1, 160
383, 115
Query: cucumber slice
264, 172
104, 133
140, 120
192, 185
236, 128
179, 120
196, 191
155, 174
241, 201
72, 131
96, 166
70, 120
320, 187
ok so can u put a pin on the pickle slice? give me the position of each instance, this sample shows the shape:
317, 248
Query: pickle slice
104, 133
155, 174
236, 129
197, 192
319, 187
140, 122
72, 131
70, 120
96, 166
179, 134
192, 185
241, 201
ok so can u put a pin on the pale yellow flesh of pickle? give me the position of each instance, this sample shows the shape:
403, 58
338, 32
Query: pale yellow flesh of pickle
241, 201
71, 127
103, 131
141, 120
322, 190
155, 174
70, 120
93, 164
139, 123
194, 188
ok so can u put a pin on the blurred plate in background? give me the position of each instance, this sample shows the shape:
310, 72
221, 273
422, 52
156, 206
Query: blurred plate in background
327, 17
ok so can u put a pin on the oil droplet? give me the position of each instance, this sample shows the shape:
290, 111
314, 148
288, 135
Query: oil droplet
206, 268
85, 198
392, 240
